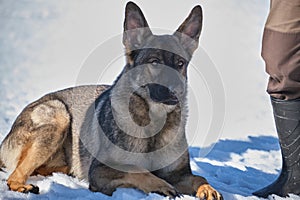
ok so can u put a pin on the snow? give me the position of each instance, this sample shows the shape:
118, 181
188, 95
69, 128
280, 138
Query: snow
43, 45
235, 168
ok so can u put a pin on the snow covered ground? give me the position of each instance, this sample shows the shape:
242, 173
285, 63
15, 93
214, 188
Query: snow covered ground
42, 48
235, 168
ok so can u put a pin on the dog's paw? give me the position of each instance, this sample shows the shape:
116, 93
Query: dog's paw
24, 188
170, 192
29, 189
161, 187
208, 193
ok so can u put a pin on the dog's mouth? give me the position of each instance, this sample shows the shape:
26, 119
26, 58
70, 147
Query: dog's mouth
162, 94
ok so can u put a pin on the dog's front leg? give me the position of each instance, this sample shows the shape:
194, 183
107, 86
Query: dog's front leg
106, 180
197, 185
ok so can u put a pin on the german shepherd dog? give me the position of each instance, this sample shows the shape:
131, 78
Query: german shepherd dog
130, 134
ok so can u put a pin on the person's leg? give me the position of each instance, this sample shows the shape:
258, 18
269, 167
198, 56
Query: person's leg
281, 52
281, 49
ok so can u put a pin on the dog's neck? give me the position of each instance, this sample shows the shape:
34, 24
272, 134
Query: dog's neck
148, 117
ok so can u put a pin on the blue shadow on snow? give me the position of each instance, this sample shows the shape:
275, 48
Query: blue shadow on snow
231, 179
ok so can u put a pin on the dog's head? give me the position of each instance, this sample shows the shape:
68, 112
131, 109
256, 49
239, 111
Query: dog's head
164, 58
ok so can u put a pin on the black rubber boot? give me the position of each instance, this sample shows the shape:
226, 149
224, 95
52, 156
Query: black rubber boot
287, 119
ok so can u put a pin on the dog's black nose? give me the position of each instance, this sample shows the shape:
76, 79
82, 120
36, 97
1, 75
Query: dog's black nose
162, 94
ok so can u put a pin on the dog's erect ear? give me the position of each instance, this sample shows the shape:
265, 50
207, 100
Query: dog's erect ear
189, 31
136, 28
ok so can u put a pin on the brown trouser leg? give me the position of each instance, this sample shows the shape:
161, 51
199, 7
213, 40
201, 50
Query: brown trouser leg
281, 49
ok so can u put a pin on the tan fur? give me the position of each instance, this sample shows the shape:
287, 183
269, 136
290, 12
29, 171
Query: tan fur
147, 182
207, 192
138, 178
43, 136
46, 171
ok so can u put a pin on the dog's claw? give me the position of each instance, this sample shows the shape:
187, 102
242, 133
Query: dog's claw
176, 193
27, 189
171, 193
179, 195
31, 189
34, 189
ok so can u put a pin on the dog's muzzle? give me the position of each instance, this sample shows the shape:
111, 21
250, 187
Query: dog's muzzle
162, 94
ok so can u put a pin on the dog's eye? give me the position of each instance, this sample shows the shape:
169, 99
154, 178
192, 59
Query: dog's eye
181, 63
153, 61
